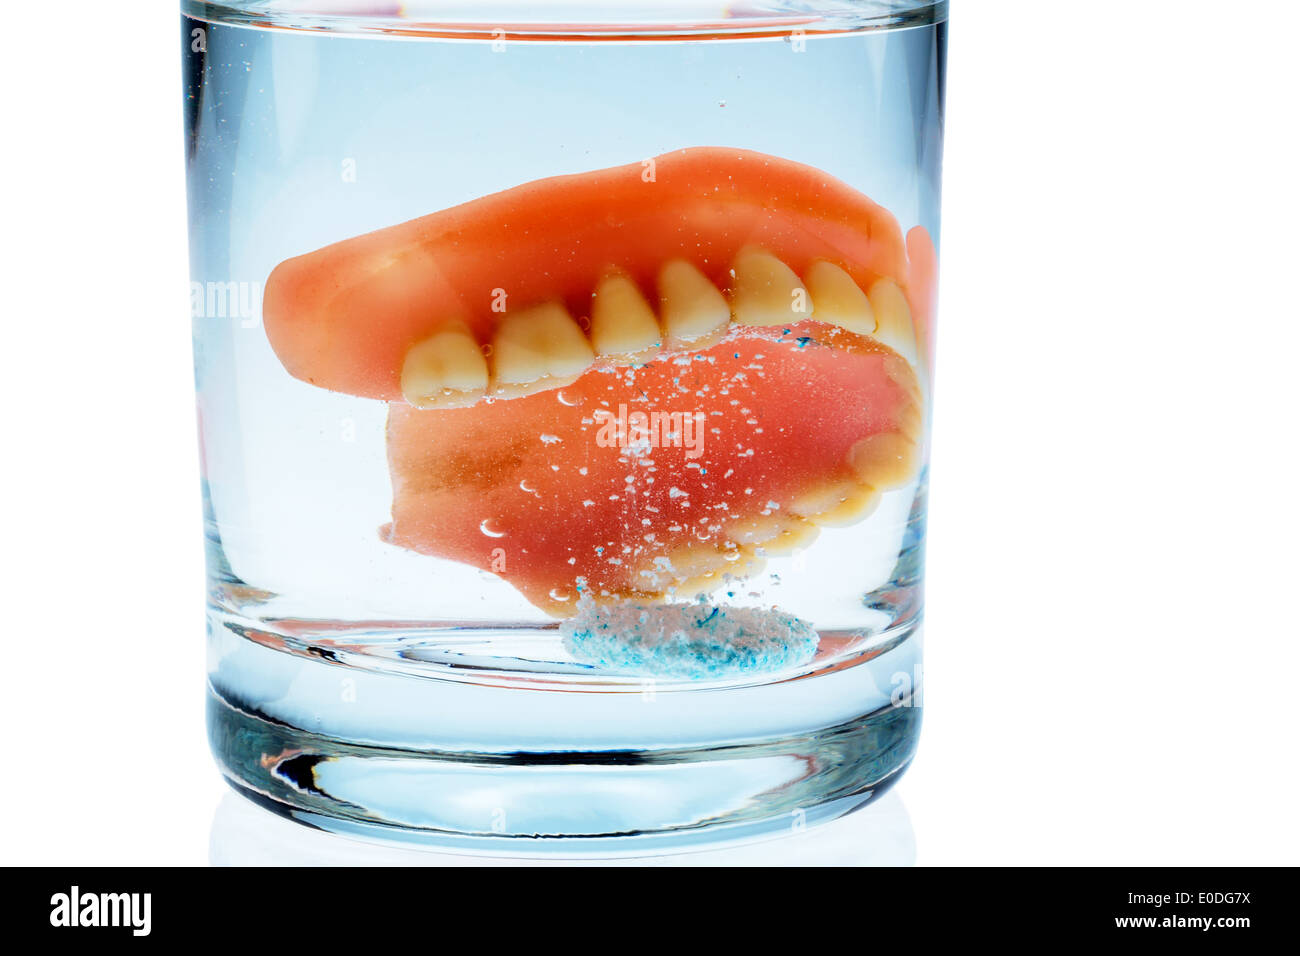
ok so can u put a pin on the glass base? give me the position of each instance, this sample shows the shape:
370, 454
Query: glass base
389, 738
578, 803
626, 802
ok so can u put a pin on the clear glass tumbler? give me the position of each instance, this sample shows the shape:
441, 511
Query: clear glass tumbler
564, 386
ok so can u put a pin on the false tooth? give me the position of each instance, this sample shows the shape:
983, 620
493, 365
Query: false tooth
766, 292
698, 569
539, 342
910, 422
773, 535
837, 504
759, 529
837, 298
893, 319
446, 369
884, 460
904, 375
795, 535
690, 305
622, 323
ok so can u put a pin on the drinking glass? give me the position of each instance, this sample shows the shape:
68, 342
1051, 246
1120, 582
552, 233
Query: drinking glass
564, 380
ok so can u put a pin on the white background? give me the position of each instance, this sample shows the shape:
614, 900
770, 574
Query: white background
1113, 653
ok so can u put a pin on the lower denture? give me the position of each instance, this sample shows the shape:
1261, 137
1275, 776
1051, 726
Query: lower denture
571, 488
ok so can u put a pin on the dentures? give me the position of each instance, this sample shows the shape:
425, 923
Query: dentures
755, 299
805, 426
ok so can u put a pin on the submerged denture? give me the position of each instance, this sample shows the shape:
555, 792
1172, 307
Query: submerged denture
629, 384
643, 482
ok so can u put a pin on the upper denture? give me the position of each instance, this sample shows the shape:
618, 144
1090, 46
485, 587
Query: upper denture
553, 277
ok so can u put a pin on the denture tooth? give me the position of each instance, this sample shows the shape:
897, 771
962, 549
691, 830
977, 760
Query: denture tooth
539, 342
692, 308
838, 299
698, 569
760, 528
822, 498
885, 460
772, 535
904, 375
837, 504
622, 323
794, 536
851, 510
446, 369
893, 318
766, 291
910, 422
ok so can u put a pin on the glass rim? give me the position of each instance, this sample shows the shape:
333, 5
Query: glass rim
572, 19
